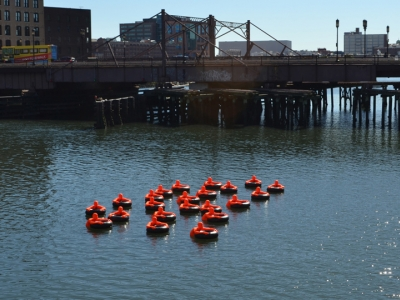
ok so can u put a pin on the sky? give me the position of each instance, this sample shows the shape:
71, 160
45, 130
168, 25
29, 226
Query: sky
308, 24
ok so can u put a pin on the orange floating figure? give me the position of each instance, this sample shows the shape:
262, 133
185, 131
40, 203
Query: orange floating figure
178, 187
212, 216
166, 193
95, 208
206, 207
164, 216
191, 199
98, 223
201, 232
155, 226
236, 203
188, 208
122, 201
152, 194
119, 216
253, 182
228, 188
212, 185
258, 194
276, 187
204, 193
153, 204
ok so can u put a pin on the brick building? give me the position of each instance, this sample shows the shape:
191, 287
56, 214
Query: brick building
21, 22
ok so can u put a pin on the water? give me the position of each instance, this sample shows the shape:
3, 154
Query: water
333, 234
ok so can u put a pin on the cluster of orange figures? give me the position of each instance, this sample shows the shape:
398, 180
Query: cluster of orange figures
188, 204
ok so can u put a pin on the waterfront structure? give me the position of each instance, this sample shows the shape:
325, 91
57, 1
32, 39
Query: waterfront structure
69, 29
273, 47
353, 43
21, 22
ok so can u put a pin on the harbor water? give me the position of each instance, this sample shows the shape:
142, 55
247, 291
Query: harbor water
333, 233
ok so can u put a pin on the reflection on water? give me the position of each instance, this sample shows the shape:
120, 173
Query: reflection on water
333, 232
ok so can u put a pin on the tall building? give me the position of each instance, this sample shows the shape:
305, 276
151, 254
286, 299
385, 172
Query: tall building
354, 42
70, 29
140, 30
21, 22
188, 41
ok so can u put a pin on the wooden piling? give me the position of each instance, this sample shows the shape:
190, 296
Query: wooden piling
101, 122
390, 113
116, 111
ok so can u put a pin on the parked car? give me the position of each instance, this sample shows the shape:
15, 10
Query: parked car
68, 59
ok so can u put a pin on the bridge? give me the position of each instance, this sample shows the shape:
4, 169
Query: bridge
218, 72
208, 70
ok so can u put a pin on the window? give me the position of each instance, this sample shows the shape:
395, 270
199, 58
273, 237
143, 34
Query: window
6, 2
1, 30
35, 3
7, 15
26, 3
8, 42
18, 3
27, 31
18, 16
35, 17
26, 16
36, 31
27, 42
18, 31
7, 30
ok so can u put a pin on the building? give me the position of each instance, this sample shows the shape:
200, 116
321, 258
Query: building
108, 49
354, 42
273, 47
393, 49
140, 30
185, 35
21, 22
70, 29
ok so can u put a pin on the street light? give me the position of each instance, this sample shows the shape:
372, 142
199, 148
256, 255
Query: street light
337, 39
33, 46
83, 38
365, 37
387, 41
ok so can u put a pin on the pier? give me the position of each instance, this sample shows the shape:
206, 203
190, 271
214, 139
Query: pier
231, 108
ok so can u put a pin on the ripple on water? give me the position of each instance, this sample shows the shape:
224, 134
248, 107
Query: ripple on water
333, 232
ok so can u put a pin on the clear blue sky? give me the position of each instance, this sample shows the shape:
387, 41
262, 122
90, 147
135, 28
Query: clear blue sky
309, 24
